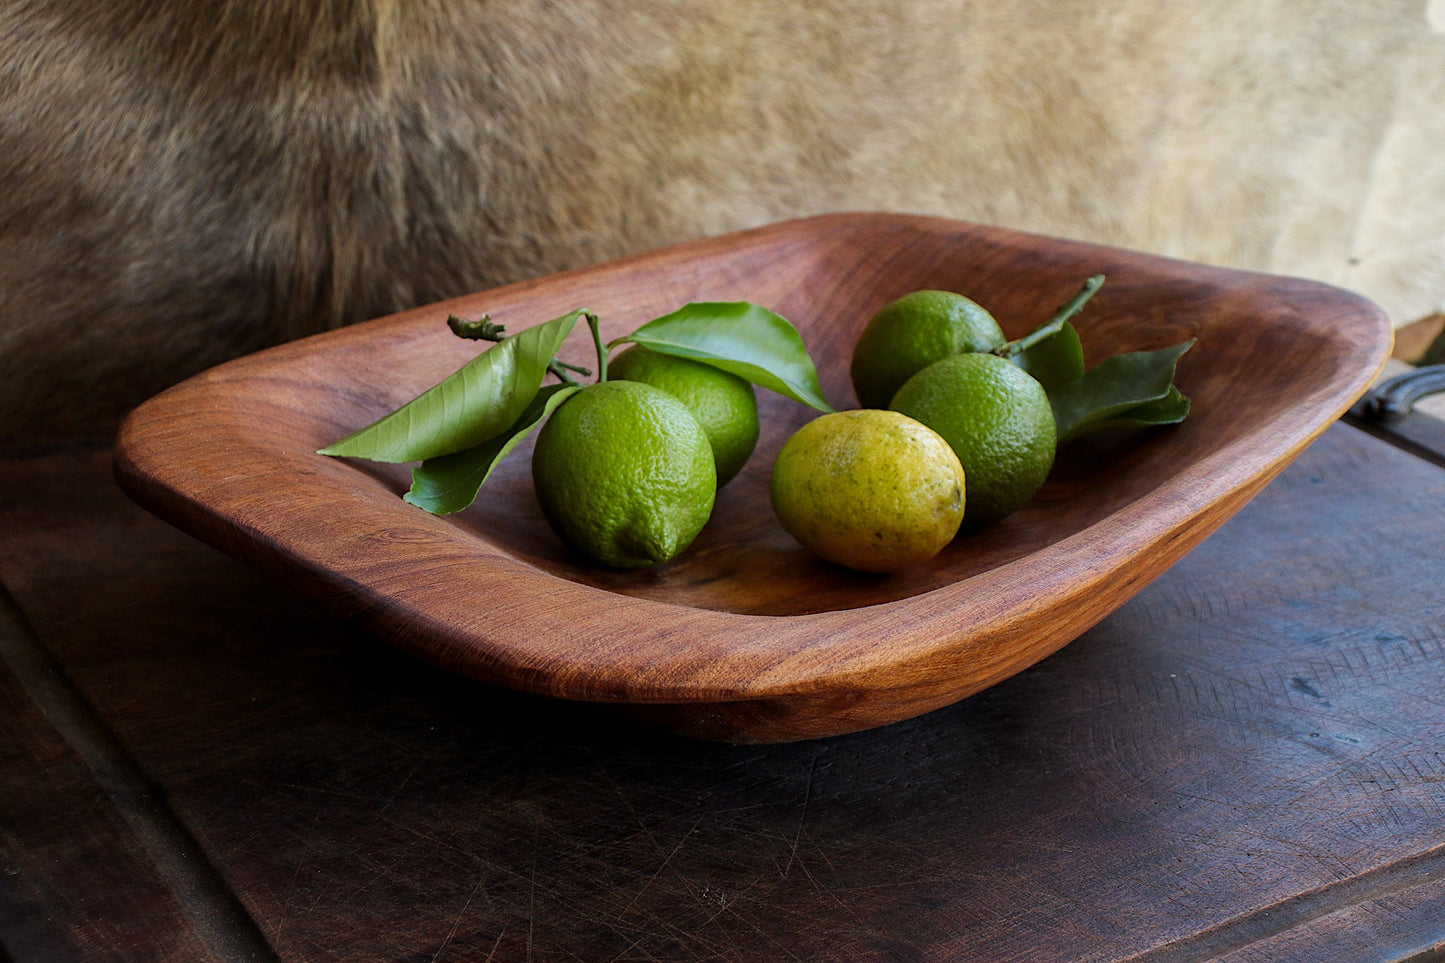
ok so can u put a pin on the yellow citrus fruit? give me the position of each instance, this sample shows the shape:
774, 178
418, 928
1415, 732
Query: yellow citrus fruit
868, 489
997, 419
910, 334
724, 404
624, 474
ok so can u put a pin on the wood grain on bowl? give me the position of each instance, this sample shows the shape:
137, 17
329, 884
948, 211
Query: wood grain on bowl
745, 637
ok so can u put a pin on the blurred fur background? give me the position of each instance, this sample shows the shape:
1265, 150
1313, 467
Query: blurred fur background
183, 182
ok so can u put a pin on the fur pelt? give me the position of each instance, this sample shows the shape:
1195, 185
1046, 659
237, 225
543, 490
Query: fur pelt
181, 182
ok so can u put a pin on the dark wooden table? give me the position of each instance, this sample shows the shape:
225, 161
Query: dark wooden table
1243, 763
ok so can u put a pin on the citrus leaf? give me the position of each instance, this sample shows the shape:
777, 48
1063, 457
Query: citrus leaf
1169, 410
1114, 386
740, 337
1054, 361
449, 483
474, 403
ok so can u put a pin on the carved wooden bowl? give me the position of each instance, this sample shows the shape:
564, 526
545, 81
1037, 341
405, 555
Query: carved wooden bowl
745, 637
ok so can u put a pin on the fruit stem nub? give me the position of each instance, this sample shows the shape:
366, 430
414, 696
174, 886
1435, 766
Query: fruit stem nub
1066, 311
482, 329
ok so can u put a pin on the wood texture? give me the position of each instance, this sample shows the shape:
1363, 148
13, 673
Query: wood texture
1243, 762
746, 637
77, 884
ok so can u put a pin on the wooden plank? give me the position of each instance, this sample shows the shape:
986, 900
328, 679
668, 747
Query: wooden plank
1404, 925
1389, 914
78, 884
1257, 729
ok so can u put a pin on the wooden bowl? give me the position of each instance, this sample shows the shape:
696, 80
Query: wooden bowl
745, 637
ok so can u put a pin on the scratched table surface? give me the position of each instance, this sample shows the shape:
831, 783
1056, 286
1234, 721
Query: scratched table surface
1243, 763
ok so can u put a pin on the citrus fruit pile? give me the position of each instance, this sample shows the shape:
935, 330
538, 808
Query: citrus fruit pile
957, 427
626, 469
723, 403
936, 363
931, 351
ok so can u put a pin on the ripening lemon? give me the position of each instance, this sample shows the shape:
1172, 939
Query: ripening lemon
624, 474
724, 404
911, 333
868, 489
998, 421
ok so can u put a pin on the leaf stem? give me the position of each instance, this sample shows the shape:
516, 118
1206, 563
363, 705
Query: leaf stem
483, 329
1066, 311
597, 343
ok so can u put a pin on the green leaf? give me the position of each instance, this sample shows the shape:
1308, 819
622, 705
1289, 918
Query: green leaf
1054, 361
1169, 410
478, 401
1114, 386
741, 337
449, 483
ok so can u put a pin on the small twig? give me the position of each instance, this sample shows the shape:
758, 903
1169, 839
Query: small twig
1066, 311
484, 329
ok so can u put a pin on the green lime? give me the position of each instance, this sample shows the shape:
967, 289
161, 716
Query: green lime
910, 334
624, 474
997, 419
724, 404
871, 490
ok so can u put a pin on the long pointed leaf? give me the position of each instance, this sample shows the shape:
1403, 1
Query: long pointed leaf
1114, 386
1169, 410
740, 337
449, 483
476, 402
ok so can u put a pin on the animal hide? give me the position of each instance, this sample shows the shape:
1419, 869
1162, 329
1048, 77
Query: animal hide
181, 183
